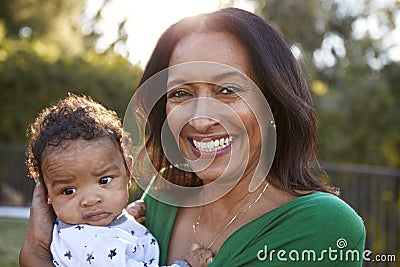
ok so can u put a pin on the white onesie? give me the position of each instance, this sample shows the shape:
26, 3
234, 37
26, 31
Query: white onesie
124, 242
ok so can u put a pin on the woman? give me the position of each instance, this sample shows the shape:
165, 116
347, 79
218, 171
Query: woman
287, 218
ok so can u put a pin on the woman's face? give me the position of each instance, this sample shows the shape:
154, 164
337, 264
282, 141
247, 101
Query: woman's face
222, 127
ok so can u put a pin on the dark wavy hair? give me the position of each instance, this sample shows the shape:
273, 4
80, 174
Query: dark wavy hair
69, 119
279, 76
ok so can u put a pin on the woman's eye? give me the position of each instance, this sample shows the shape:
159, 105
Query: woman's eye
229, 90
178, 94
69, 191
105, 180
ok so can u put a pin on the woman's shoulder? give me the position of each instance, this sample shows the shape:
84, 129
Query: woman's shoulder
317, 218
321, 210
324, 199
325, 219
332, 209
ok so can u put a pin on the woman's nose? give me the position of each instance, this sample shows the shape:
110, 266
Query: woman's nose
201, 124
202, 118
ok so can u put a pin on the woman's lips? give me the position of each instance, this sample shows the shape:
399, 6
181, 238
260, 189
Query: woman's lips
211, 147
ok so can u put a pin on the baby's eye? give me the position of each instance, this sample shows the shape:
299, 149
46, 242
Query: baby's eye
105, 180
69, 191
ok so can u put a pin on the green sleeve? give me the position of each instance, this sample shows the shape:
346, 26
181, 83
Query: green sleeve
303, 232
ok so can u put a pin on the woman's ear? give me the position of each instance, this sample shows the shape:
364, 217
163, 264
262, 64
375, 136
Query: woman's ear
48, 200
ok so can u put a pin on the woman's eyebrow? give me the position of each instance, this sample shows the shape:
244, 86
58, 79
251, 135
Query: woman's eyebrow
224, 75
174, 82
215, 79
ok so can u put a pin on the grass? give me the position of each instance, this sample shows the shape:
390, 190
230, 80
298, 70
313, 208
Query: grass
12, 235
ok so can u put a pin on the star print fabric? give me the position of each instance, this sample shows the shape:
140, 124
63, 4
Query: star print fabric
124, 242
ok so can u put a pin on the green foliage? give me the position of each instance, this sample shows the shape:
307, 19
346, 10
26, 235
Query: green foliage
353, 80
36, 72
360, 122
56, 20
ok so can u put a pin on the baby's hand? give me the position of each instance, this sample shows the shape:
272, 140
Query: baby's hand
199, 256
138, 210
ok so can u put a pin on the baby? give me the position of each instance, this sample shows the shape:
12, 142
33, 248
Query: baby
79, 150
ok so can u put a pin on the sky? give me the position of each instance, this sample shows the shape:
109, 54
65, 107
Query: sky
146, 21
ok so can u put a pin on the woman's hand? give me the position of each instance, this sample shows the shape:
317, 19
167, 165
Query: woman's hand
35, 251
138, 210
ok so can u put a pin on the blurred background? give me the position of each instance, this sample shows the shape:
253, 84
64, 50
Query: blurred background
350, 51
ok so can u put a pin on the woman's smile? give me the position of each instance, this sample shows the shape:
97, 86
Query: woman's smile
215, 146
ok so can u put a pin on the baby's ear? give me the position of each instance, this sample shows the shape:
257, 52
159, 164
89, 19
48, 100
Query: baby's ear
128, 168
128, 164
49, 200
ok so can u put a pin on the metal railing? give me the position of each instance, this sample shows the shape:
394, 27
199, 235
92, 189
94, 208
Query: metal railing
15, 187
374, 192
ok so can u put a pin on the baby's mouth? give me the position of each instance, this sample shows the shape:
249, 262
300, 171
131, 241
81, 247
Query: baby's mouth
96, 216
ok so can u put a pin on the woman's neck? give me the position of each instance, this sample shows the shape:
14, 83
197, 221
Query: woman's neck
238, 198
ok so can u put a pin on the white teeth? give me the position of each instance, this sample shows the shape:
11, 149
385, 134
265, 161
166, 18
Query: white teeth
210, 145
213, 146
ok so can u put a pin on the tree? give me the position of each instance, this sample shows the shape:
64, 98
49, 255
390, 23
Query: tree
56, 21
41, 67
351, 73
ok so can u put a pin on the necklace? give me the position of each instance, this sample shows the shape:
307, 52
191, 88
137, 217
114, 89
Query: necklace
197, 222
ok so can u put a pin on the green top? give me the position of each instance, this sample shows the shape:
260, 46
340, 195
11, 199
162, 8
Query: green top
318, 229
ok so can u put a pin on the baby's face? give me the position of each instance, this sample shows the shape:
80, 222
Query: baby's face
87, 181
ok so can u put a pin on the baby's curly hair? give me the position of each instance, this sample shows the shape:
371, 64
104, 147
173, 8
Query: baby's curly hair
71, 118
